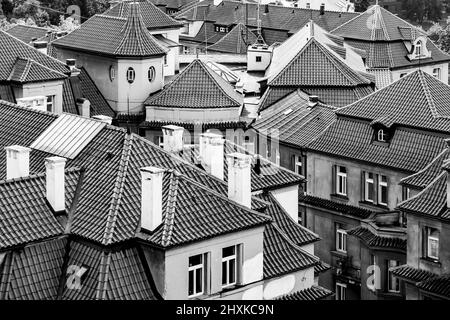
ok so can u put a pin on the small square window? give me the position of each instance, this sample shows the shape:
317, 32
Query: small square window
258, 58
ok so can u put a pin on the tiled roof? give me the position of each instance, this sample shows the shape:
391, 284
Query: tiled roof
296, 122
269, 176
298, 234
311, 294
334, 206
375, 241
25, 215
172, 4
321, 267
27, 33
118, 37
438, 286
7, 93
427, 175
236, 41
412, 274
286, 19
184, 221
432, 201
12, 48
34, 272
152, 17
383, 36
409, 150
197, 86
282, 256
27, 70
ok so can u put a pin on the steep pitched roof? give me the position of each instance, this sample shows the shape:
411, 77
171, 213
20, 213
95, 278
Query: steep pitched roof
152, 17
27, 33
354, 211
12, 49
197, 86
27, 70
236, 41
118, 37
417, 100
296, 121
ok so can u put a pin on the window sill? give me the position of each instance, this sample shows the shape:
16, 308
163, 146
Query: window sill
340, 254
339, 197
431, 261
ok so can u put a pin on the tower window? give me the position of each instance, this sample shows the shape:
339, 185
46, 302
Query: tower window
131, 75
151, 74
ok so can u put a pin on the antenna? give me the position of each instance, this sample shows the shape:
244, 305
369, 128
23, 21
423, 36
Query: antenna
259, 39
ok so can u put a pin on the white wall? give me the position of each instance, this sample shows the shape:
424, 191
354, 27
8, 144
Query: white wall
50, 88
288, 198
428, 69
173, 64
191, 115
266, 56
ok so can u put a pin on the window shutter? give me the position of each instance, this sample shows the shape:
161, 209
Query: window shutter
363, 180
333, 179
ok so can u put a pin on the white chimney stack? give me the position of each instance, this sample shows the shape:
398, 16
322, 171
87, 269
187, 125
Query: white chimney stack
239, 178
55, 183
17, 162
212, 154
84, 107
173, 138
151, 197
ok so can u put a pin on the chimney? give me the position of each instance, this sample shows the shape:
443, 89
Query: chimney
173, 138
217, 2
212, 154
239, 178
151, 197
322, 9
71, 63
103, 118
84, 107
17, 162
41, 46
266, 8
55, 177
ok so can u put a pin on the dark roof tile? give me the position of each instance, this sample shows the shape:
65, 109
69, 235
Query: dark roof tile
311, 294
335, 206
375, 241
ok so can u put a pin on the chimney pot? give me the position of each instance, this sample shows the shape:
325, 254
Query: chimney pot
151, 197
84, 107
239, 178
212, 154
55, 182
173, 138
17, 162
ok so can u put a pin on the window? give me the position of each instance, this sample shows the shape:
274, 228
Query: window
186, 50
161, 141
308, 5
406, 193
131, 75
433, 243
229, 266
341, 180
151, 73
437, 73
381, 136
112, 73
196, 275
258, 58
382, 190
51, 103
223, 29
373, 263
298, 165
341, 290
418, 48
341, 239
369, 187
393, 283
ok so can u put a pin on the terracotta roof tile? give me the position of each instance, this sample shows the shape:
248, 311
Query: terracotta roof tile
310, 294
335, 206
26, 70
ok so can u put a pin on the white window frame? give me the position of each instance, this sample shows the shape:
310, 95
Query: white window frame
112, 73
227, 261
393, 282
341, 291
382, 184
437, 73
381, 135
430, 239
418, 49
341, 240
367, 182
341, 181
50, 103
131, 75
298, 164
194, 269
223, 29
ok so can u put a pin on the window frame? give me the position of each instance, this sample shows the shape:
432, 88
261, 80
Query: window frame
202, 267
50, 103
298, 164
430, 231
227, 261
382, 184
131, 75
341, 291
391, 279
258, 58
381, 135
369, 181
418, 48
438, 73
151, 70
341, 181
341, 239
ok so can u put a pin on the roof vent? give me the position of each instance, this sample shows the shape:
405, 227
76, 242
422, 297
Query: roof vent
17, 162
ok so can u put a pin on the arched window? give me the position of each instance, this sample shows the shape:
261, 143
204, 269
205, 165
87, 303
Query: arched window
381, 135
418, 48
131, 75
151, 74
112, 73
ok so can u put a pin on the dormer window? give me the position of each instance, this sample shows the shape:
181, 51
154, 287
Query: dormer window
418, 48
381, 135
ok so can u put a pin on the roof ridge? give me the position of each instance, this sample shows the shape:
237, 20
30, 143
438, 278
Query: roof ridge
428, 95
440, 176
170, 210
103, 276
424, 169
117, 192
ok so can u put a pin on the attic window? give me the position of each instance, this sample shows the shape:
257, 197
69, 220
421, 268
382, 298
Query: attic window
286, 112
112, 73
131, 75
381, 135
